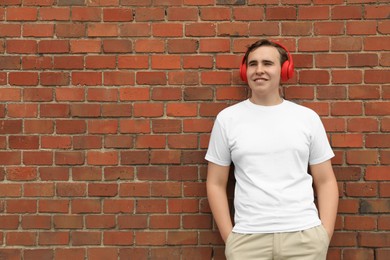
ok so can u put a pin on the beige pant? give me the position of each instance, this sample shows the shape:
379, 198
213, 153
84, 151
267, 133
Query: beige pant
310, 244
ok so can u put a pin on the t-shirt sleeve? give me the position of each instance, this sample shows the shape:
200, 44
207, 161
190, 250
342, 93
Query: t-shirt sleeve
218, 151
320, 149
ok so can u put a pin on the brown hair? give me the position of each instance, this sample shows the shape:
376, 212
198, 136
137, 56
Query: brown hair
264, 42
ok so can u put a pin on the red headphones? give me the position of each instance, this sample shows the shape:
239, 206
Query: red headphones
287, 67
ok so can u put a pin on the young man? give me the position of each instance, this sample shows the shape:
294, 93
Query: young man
271, 143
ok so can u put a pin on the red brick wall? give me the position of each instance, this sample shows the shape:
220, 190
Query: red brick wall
106, 108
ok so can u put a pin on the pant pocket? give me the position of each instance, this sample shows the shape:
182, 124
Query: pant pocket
325, 234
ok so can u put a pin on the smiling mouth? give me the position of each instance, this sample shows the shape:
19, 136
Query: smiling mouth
260, 79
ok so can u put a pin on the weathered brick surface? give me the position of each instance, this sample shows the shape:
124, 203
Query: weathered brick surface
106, 108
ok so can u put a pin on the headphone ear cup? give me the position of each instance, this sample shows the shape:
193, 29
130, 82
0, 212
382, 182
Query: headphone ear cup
287, 69
284, 74
243, 70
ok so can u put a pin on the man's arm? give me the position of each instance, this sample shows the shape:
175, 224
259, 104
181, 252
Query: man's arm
217, 179
327, 194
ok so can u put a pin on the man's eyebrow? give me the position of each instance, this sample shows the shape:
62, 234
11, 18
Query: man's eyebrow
268, 61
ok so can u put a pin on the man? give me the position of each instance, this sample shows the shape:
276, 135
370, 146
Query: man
271, 143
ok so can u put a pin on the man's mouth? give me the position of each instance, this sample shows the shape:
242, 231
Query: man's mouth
260, 79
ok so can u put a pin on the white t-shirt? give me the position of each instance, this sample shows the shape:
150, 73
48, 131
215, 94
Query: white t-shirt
271, 148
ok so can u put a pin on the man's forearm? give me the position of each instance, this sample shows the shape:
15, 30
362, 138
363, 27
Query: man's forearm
218, 202
328, 197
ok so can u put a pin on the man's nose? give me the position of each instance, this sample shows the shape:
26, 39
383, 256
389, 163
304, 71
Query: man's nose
259, 69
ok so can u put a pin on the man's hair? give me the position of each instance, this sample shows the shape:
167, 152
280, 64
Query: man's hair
264, 42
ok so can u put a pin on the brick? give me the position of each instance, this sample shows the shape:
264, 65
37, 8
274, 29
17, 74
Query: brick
362, 157
376, 76
200, 29
377, 108
53, 238
53, 46
100, 221
295, 92
101, 253
182, 14
54, 14
182, 237
85, 206
361, 28
69, 253
118, 78
22, 206
22, 14
149, 14
214, 45
364, 92
10, 94
117, 46
10, 30
263, 28
85, 46
134, 157
277, 13
23, 78
374, 239
182, 46
362, 125
38, 157
165, 221
54, 79
156, 173
120, 238
359, 254
118, 15
346, 108
361, 189
183, 78
82, 173
134, 190
10, 158
346, 12
165, 157
346, 44
329, 28
296, 28
215, 13
118, 206
314, 77
347, 76
377, 173
86, 14
70, 30
229, 93
44, 254
20, 238
313, 44
151, 206
36, 222
376, 12
165, 62
21, 46
248, 13
236, 29
100, 62
150, 238
135, 30
9, 62
347, 140
21, 173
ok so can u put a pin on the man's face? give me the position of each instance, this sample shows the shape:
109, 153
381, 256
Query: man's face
263, 70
